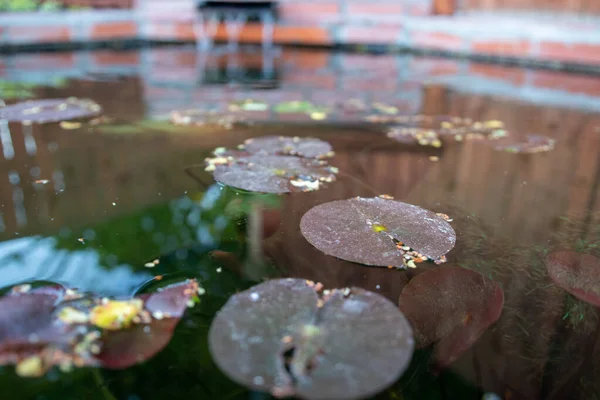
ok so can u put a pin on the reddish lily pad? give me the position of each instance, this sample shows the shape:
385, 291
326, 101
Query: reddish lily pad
52, 326
265, 172
292, 146
377, 231
577, 273
452, 307
50, 110
284, 337
274, 174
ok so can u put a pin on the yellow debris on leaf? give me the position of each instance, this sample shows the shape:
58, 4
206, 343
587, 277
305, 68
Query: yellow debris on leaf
70, 125
30, 367
115, 314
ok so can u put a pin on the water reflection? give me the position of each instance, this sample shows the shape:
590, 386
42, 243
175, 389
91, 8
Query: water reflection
123, 193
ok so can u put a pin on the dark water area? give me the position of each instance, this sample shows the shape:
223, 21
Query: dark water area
90, 207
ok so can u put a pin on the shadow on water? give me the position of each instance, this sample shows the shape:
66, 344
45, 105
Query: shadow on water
93, 207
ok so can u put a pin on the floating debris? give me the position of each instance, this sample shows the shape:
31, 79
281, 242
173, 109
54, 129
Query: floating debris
248, 338
70, 125
42, 182
378, 232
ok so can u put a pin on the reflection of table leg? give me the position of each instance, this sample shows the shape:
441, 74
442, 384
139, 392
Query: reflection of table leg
28, 139
6, 141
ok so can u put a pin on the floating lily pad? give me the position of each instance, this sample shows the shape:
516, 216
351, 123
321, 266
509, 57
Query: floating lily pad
577, 273
203, 118
452, 307
428, 130
50, 110
248, 105
533, 144
377, 231
259, 167
293, 107
293, 146
52, 326
283, 337
274, 174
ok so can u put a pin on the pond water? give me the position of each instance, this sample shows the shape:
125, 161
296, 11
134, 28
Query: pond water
92, 206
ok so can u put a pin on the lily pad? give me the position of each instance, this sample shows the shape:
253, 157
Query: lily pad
286, 338
452, 307
293, 146
428, 130
50, 110
296, 106
533, 144
577, 273
203, 118
52, 326
274, 174
378, 231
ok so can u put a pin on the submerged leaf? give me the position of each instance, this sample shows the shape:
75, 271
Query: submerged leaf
377, 231
50, 110
50, 326
282, 337
451, 306
577, 273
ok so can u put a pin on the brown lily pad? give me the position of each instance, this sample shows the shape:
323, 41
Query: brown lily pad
50, 110
451, 307
52, 326
286, 338
267, 173
292, 146
577, 273
205, 118
533, 144
377, 231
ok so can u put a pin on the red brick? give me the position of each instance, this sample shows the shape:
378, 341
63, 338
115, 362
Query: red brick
515, 76
46, 34
250, 33
568, 82
437, 40
304, 35
378, 34
375, 84
581, 53
110, 30
375, 9
368, 62
320, 81
314, 13
104, 57
184, 31
44, 60
502, 47
306, 59
434, 66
